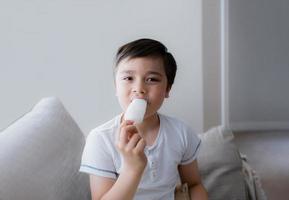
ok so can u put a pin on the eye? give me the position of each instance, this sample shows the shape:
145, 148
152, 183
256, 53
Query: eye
152, 79
127, 78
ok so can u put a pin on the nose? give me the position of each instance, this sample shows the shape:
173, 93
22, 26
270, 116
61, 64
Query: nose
139, 88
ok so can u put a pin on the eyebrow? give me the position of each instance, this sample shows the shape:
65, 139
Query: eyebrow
148, 73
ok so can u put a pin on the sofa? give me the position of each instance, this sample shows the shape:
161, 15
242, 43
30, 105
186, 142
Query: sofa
40, 155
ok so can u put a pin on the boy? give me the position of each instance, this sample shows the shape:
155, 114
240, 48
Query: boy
127, 161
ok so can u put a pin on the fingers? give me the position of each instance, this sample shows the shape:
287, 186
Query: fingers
135, 145
122, 125
126, 133
126, 122
133, 141
129, 138
140, 145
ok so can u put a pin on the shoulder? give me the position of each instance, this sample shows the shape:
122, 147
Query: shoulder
105, 131
176, 129
175, 123
99, 153
100, 142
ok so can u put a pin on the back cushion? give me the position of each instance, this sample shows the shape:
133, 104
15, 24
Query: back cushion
40, 156
220, 166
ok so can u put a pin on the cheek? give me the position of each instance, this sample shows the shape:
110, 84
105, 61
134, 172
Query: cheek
158, 96
122, 96
160, 92
120, 89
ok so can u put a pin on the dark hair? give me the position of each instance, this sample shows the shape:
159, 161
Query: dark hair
149, 48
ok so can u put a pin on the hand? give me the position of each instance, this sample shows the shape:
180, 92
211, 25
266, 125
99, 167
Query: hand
131, 145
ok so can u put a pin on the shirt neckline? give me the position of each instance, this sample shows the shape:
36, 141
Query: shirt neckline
158, 139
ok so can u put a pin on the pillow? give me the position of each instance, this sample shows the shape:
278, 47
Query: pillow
40, 155
220, 166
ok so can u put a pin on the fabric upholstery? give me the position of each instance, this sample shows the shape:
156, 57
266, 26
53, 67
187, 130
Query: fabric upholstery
220, 166
40, 156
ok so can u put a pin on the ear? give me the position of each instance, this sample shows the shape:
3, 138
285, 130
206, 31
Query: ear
167, 95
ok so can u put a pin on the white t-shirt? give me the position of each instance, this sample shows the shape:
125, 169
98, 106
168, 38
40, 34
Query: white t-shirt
175, 145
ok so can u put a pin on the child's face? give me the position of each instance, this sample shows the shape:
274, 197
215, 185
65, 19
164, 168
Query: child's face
143, 78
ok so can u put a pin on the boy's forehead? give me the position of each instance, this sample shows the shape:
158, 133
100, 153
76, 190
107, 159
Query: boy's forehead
143, 63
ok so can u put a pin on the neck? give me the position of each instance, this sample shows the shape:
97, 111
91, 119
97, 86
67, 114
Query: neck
149, 129
149, 123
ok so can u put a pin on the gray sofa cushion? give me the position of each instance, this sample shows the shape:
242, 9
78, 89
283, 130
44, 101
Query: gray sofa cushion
220, 166
40, 156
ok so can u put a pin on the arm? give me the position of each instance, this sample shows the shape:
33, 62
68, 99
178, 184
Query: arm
131, 146
106, 188
189, 174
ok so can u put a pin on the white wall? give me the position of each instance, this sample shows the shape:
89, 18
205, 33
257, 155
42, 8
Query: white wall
65, 48
258, 64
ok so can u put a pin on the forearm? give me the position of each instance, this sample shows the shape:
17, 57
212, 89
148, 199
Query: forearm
125, 187
131, 146
198, 192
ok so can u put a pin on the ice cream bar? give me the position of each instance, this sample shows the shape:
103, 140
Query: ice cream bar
136, 111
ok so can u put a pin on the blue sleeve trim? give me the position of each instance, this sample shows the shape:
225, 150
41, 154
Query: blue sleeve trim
103, 170
198, 146
193, 156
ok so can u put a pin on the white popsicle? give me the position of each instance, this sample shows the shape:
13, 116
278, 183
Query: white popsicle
136, 111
